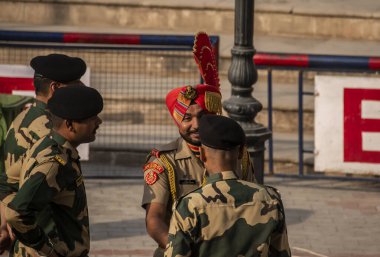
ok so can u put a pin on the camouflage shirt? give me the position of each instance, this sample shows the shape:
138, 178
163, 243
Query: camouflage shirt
229, 217
51, 176
28, 127
188, 174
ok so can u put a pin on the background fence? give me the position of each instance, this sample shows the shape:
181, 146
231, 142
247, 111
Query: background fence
318, 64
133, 73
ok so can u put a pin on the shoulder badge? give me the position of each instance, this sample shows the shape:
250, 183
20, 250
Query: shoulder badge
59, 159
150, 177
154, 166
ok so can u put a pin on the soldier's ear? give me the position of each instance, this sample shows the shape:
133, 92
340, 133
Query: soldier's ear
69, 125
53, 86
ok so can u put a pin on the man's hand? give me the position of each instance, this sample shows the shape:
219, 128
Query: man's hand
10, 232
5, 239
6, 235
155, 223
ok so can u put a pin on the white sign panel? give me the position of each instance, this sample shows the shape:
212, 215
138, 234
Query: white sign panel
18, 80
347, 124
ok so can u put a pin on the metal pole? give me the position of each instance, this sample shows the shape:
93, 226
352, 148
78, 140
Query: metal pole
243, 74
270, 121
300, 123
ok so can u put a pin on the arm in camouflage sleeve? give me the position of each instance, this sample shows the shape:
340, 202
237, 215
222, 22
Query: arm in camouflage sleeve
37, 192
180, 238
13, 153
279, 244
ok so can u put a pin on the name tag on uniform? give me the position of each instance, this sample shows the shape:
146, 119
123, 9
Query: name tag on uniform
187, 182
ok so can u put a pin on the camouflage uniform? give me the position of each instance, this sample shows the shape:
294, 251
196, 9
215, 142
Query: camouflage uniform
28, 127
207, 221
52, 177
188, 175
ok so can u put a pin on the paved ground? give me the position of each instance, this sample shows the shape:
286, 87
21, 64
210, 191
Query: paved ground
325, 217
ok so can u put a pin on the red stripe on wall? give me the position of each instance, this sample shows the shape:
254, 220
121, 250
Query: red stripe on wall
7, 84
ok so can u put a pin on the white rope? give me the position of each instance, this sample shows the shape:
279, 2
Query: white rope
308, 251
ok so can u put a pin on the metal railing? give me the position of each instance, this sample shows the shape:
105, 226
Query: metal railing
138, 70
305, 63
133, 73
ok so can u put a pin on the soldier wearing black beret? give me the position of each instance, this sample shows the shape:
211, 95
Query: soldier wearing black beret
51, 72
74, 113
75, 103
54, 70
225, 208
52, 178
220, 132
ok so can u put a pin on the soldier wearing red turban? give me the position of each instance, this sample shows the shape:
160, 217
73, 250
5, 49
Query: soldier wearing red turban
175, 169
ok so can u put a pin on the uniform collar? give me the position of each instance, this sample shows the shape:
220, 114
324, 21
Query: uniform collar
183, 150
224, 175
65, 144
39, 104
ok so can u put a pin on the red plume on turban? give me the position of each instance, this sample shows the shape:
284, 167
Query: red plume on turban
206, 95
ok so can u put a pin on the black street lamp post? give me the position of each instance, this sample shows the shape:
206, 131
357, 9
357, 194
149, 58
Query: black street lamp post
242, 74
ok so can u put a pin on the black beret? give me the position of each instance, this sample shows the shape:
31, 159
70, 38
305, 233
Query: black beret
220, 132
75, 102
59, 67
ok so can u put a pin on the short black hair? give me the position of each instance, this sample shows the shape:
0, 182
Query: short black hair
41, 84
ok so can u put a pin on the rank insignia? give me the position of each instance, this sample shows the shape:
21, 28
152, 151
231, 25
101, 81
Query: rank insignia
154, 166
150, 177
59, 159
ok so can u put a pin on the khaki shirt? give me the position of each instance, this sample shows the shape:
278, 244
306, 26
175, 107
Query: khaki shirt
188, 170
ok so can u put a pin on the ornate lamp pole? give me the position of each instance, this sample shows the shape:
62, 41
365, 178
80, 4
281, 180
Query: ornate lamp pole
242, 74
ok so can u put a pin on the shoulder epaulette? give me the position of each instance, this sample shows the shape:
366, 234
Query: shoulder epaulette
161, 149
59, 159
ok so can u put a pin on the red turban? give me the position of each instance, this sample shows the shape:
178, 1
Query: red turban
207, 95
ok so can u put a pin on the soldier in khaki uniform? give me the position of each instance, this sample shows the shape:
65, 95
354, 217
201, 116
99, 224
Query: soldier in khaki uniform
175, 169
51, 176
51, 72
227, 216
